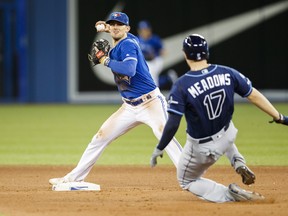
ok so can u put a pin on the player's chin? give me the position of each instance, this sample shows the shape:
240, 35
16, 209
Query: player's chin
116, 36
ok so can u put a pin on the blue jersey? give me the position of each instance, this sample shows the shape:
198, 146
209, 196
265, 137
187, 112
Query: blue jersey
151, 47
206, 98
131, 73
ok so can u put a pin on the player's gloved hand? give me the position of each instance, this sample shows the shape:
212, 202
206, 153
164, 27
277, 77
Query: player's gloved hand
99, 52
282, 120
155, 154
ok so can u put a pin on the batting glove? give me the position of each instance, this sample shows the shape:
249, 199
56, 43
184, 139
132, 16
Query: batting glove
282, 120
155, 154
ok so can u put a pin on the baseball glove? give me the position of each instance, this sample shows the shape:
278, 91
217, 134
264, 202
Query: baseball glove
99, 52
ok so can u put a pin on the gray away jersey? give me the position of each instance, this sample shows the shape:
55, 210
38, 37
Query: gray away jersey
206, 98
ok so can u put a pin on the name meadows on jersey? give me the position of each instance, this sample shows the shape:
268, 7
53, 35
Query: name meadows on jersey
208, 83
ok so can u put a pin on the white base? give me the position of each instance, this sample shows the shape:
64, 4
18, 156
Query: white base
76, 186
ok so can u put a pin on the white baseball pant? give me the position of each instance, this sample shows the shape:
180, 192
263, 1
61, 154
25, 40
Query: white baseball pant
152, 112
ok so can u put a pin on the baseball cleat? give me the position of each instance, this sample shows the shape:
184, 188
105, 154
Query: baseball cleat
248, 177
239, 194
55, 181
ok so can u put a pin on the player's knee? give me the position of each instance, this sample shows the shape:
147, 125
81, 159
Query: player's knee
95, 137
159, 130
184, 180
183, 183
99, 136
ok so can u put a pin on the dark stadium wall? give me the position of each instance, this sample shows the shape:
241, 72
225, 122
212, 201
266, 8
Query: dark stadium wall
57, 31
259, 51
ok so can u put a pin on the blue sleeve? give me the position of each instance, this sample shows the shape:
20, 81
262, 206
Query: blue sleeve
170, 130
126, 62
126, 67
176, 100
243, 85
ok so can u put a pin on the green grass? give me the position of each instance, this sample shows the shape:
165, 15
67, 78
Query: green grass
58, 134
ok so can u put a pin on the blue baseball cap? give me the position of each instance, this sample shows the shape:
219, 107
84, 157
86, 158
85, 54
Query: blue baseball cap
118, 16
144, 24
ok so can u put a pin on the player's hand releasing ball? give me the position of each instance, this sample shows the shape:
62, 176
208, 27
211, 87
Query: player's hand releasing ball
99, 52
100, 27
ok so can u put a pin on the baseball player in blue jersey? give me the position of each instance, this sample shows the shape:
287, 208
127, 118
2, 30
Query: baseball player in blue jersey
143, 103
205, 96
152, 48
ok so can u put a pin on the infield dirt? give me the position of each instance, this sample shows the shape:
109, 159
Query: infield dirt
135, 190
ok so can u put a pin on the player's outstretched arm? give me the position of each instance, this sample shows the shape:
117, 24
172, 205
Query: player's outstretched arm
169, 131
258, 99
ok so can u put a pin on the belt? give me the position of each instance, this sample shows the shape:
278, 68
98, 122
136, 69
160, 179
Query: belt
136, 102
208, 139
